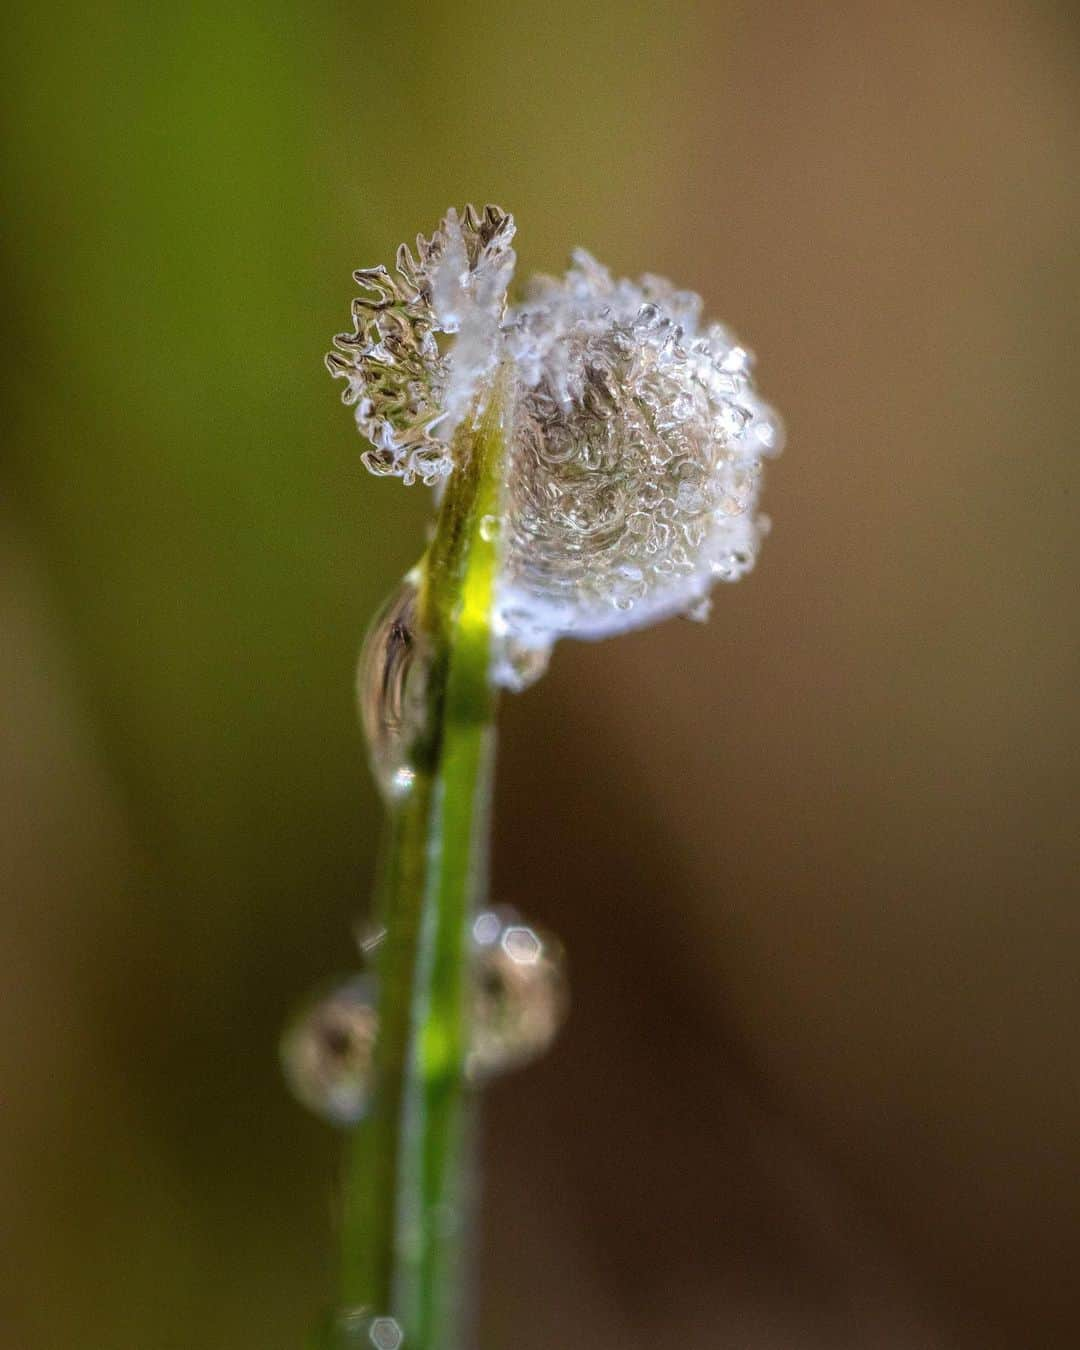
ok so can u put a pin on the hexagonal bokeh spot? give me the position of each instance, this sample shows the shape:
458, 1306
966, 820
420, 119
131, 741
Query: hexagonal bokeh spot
386, 1334
522, 945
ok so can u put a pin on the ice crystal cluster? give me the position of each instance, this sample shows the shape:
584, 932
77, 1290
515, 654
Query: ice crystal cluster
636, 434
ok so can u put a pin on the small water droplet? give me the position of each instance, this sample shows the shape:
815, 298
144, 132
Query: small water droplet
489, 528
327, 1050
520, 1001
390, 690
515, 664
769, 433
520, 994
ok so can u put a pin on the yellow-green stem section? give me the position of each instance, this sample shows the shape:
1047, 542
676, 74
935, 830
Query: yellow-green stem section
404, 1202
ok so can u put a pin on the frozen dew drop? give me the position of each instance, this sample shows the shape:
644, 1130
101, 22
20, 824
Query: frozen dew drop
390, 692
637, 442
520, 997
327, 1050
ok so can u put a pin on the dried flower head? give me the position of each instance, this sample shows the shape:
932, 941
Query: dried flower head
637, 437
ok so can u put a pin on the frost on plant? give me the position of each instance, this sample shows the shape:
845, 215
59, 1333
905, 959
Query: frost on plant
409, 397
636, 434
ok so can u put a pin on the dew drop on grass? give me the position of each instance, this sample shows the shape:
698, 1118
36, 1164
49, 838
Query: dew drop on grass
327, 1050
520, 997
390, 690
520, 1001
515, 665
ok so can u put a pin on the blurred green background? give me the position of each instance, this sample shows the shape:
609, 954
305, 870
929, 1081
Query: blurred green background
816, 864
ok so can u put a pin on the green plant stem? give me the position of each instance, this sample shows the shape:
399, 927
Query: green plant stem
404, 1202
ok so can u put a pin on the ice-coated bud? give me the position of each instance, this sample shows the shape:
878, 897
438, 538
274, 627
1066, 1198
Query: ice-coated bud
636, 434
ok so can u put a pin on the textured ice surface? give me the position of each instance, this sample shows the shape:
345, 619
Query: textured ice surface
637, 436
409, 397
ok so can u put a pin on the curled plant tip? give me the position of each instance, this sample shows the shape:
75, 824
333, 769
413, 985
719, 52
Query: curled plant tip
637, 437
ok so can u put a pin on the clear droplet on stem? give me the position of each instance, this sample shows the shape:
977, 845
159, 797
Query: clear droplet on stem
390, 690
520, 996
515, 665
327, 1049
519, 1003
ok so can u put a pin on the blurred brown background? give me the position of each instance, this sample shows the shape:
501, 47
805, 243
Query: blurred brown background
815, 864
